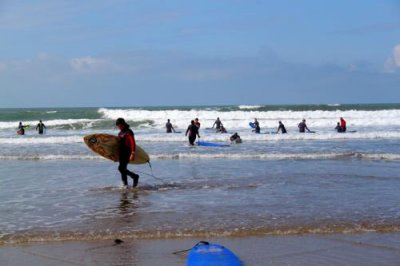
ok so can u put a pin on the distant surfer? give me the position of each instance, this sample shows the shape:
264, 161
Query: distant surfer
302, 126
257, 128
40, 127
338, 128
281, 128
217, 124
193, 131
222, 129
169, 127
127, 146
21, 129
197, 123
235, 138
343, 124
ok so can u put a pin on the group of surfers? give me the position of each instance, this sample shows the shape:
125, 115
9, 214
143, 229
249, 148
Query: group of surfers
193, 129
127, 144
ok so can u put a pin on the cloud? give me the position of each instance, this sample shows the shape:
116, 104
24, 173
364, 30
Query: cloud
48, 79
392, 64
88, 63
396, 52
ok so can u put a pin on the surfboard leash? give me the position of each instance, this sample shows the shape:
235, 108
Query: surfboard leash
189, 249
152, 174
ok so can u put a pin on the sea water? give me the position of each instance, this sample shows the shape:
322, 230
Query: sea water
52, 187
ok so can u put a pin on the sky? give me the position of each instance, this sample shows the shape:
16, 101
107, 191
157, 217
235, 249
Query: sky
116, 53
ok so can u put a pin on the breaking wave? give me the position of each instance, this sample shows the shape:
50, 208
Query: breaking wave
225, 156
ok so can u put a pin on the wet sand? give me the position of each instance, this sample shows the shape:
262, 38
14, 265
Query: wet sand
340, 249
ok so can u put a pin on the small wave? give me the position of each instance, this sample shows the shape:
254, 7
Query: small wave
143, 188
76, 235
279, 156
224, 156
41, 140
52, 157
240, 117
249, 107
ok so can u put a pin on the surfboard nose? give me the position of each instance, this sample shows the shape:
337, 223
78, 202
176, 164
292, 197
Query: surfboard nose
90, 139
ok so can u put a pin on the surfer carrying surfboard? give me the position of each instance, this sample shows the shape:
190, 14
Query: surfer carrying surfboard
21, 129
127, 146
281, 128
257, 128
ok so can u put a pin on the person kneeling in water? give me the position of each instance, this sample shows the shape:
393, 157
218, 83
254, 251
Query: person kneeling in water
127, 146
338, 128
236, 138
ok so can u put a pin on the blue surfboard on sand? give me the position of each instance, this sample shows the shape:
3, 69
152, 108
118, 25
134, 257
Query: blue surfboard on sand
211, 144
208, 254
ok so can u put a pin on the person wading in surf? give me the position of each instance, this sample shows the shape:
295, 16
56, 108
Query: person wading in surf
193, 131
127, 146
302, 126
169, 127
40, 127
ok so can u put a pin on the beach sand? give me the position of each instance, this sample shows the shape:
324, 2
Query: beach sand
319, 249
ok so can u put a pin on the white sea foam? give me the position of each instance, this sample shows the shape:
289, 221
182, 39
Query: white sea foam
234, 120
247, 107
225, 156
247, 137
241, 119
279, 156
86, 123
23, 140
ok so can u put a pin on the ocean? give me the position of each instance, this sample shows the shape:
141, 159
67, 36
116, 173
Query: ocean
52, 187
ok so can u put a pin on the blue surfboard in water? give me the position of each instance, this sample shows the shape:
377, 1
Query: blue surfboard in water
211, 144
208, 254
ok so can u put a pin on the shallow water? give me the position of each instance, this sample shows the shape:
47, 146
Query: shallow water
52, 187
82, 199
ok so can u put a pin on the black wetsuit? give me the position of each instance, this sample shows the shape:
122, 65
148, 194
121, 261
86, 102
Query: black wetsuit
235, 138
282, 128
257, 127
124, 155
217, 124
302, 127
169, 127
41, 127
193, 132
339, 129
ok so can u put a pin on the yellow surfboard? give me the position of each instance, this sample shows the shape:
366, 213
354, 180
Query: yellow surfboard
106, 145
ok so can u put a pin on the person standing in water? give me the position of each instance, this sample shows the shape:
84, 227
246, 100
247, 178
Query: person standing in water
127, 146
40, 127
217, 124
302, 126
193, 131
343, 124
281, 128
169, 127
257, 128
